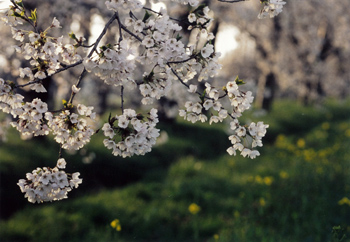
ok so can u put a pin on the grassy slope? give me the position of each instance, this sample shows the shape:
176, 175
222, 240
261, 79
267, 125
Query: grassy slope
290, 193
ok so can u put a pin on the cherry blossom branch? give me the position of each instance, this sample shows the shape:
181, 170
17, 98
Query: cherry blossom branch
177, 75
25, 17
200, 94
68, 66
58, 71
180, 79
104, 31
29, 83
129, 32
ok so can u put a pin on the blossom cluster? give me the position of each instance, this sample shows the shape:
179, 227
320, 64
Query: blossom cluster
49, 184
129, 5
9, 100
246, 139
46, 54
112, 65
239, 102
30, 118
33, 118
137, 136
71, 130
271, 8
29, 115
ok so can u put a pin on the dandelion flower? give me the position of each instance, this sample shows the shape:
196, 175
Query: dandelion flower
194, 208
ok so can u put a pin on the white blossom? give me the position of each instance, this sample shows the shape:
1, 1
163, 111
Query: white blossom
271, 8
49, 184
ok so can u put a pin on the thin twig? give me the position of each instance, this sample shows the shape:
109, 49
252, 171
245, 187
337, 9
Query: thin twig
58, 71
122, 98
200, 94
60, 152
120, 30
231, 1
29, 83
131, 33
149, 9
178, 77
77, 84
87, 46
67, 67
104, 31
182, 61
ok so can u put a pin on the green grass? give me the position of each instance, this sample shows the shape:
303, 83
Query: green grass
289, 193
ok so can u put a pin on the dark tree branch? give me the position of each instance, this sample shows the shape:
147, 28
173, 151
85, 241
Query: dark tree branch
231, 1
122, 98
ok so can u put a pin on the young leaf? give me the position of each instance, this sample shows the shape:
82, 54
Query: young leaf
146, 16
33, 15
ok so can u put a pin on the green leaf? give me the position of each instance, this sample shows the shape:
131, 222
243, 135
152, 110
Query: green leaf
239, 81
33, 15
20, 3
72, 36
146, 16
178, 37
103, 48
15, 14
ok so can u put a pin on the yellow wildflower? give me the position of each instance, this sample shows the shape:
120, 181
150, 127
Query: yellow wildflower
344, 200
283, 175
281, 141
258, 179
301, 143
262, 202
194, 208
325, 126
216, 237
268, 180
116, 225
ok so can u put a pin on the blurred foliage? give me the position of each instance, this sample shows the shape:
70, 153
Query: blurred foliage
297, 190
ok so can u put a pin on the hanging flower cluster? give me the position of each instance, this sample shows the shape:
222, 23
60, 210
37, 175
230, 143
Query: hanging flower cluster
49, 184
138, 134
70, 130
112, 65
